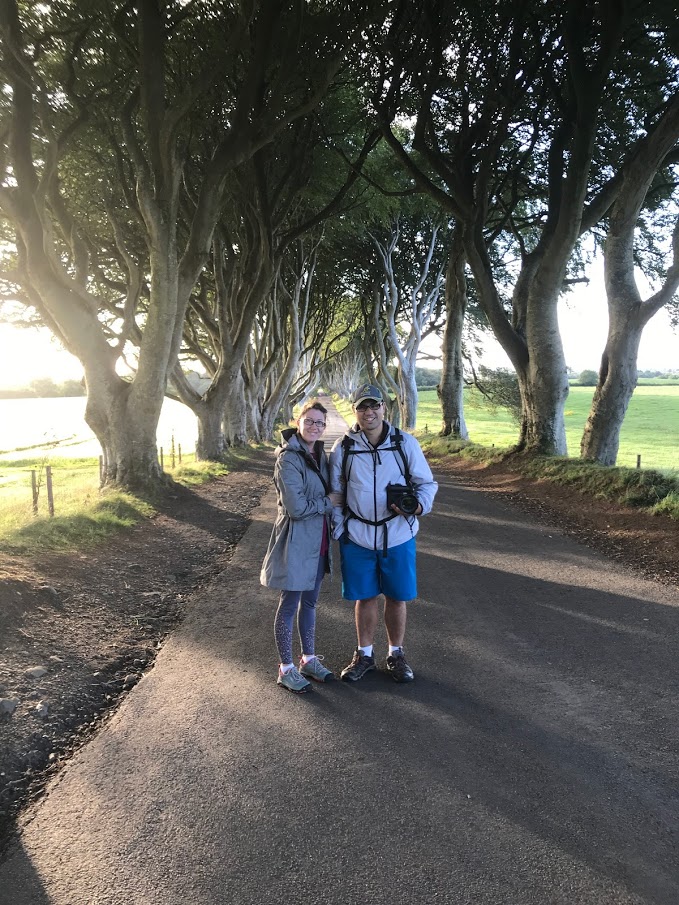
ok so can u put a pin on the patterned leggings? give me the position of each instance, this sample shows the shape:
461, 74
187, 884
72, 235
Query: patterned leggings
304, 604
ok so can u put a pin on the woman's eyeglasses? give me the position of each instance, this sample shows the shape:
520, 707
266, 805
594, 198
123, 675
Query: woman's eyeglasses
368, 406
309, 422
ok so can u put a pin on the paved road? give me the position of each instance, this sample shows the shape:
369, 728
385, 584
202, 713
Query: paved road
534, 760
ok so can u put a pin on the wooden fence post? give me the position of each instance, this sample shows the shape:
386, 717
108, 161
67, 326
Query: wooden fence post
638, 461
179, 450
172, 451
34, 488
50, 492
161, 458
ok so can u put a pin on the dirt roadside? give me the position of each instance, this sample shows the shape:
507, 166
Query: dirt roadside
643, 543
78, 631
91, 624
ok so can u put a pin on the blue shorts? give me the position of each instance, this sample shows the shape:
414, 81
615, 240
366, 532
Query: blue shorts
367, 573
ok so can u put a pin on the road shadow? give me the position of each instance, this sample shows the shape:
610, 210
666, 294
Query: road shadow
27, 888
528, 702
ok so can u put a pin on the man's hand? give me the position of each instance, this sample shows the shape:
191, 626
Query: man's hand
336, 498
418, 511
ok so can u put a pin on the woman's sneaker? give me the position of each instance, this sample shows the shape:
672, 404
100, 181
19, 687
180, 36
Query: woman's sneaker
314, 669
358, 667
293, 681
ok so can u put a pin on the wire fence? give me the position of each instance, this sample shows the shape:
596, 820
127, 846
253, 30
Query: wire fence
51, 484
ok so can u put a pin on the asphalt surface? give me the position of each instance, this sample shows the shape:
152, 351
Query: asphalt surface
533, 760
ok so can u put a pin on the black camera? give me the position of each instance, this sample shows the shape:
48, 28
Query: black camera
403, 496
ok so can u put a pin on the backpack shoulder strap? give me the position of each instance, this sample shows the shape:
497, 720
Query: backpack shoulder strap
347, 444
397, 439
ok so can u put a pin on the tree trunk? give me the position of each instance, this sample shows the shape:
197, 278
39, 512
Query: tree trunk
408, 402
544, 391
266, 426
291, 328
212, 410
122, 414
416, 315
617, 381
211, 442
235, 421
543, 379
450, 390
392, 412
286, 411
254, 423
126, 431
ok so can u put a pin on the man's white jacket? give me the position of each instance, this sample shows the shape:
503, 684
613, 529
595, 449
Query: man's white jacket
368, 471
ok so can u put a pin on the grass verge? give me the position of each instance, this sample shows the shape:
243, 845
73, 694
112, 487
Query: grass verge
94, 523
84, 515
652, 491
646, 489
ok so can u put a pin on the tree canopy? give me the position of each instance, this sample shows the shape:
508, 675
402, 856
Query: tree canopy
278, 191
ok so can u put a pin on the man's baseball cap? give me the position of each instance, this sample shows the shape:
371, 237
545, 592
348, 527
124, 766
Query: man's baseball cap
364, 392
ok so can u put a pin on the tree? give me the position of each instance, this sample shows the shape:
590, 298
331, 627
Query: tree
342, 374
427, 377
500, 389
400, 272
44, 387
276, 360
515, 137
220, 318
408, 304
587, 378
628, 313
105, 107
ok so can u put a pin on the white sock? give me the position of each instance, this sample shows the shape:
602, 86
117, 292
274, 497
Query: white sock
307, 657
285, 667
393, 650
367, 650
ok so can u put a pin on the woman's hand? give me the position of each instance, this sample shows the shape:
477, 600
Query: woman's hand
336, 498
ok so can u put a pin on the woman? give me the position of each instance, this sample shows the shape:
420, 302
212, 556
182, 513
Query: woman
299, 550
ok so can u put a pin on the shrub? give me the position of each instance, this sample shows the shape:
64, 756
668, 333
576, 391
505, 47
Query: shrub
588, 378
499, 389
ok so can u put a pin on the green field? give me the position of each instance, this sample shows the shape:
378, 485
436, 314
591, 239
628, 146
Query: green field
650, 429
83, 515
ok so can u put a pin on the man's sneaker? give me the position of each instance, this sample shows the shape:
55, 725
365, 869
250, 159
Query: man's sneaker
358, 667
398, 669
314, 669
293, 681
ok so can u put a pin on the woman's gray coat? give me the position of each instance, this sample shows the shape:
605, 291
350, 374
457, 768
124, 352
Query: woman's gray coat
291, 561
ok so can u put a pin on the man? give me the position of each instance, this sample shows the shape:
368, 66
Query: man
377, 536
